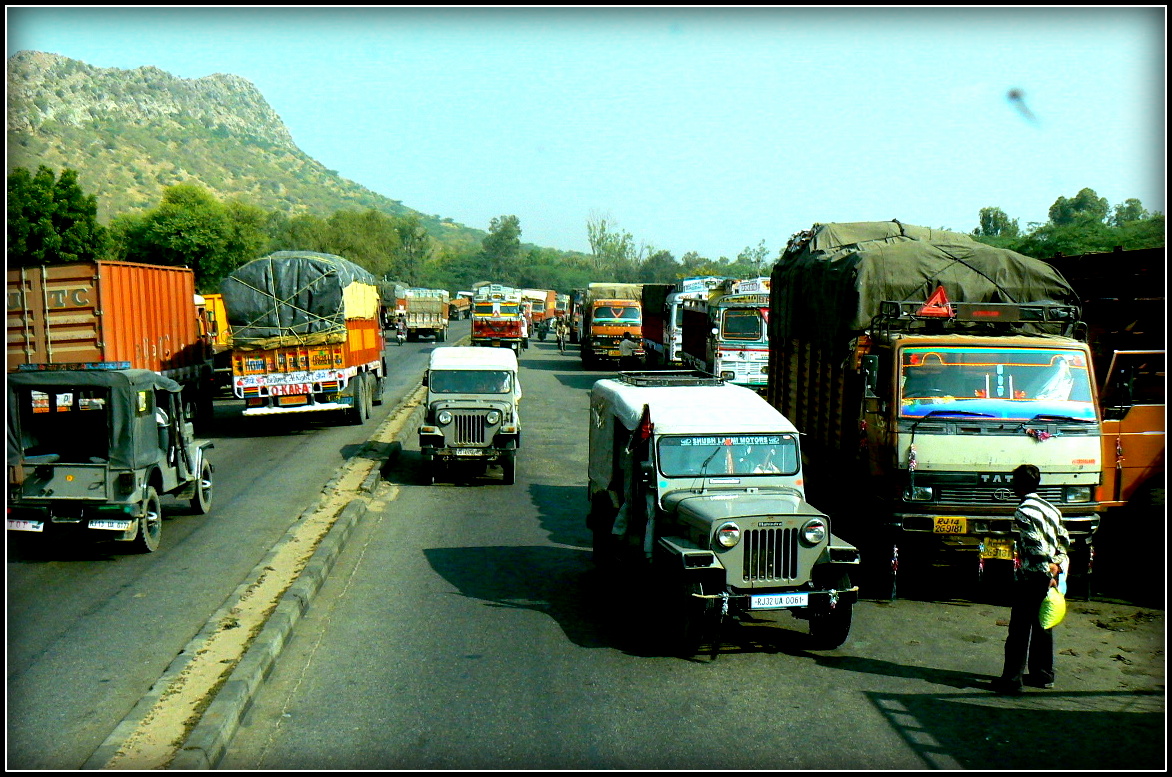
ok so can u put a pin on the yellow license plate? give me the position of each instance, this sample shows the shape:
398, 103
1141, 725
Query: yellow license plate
948, 524
998, 548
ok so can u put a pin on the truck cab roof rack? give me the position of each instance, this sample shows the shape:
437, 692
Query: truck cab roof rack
670, 378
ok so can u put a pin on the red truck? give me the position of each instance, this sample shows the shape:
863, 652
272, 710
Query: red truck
103, 311
306, 335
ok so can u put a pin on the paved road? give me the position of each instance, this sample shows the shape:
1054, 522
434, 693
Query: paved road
92, 627
463, 627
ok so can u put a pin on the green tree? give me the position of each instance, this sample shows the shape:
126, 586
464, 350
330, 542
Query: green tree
754, 258
613, 251
1084, 206
501, 249
995, 223
51, 220
1128, 211
659, 267
190, 227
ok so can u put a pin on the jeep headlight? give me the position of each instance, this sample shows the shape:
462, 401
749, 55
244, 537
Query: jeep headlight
443, 417
493, 417
728, 534
918, 494
813, 531
1078, 493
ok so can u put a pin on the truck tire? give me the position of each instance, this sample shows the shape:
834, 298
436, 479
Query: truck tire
441, 335
201, 500
150, 525
830, 626
380, 387
357, 412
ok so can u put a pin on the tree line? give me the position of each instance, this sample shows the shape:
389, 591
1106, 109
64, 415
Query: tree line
51, 220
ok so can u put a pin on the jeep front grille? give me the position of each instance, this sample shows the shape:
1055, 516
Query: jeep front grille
468, 429
769, 554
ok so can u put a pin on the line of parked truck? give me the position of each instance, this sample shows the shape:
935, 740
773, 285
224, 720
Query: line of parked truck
920, 366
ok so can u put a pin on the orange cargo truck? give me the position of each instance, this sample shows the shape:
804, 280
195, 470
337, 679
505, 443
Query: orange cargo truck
306, 335
102, 312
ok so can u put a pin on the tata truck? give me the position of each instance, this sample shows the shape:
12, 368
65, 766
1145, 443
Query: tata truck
725, 332
146, 316
497, 320
306, 336
610, 310
922, 367
698, 511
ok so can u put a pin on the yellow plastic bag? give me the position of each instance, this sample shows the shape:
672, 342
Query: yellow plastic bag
1053, 609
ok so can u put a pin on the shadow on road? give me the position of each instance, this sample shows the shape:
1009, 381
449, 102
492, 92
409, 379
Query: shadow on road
1070, 731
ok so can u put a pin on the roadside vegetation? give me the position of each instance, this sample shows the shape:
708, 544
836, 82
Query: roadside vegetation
53, 220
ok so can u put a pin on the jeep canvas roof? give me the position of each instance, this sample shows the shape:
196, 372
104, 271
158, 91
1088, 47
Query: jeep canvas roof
728, 408
467, 357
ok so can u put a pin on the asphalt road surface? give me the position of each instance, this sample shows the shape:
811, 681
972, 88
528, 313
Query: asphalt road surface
90, 627
464, 627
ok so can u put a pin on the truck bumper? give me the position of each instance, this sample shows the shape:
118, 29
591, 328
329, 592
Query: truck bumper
977, 526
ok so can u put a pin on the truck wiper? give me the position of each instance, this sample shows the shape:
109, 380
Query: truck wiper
957, 412
1049, 417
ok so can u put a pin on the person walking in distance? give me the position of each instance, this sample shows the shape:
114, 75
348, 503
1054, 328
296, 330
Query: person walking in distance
627, 348
562, 331
1042, 547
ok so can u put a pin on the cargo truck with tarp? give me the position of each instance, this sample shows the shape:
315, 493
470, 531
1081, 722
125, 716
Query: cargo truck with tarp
306, 335
923, 367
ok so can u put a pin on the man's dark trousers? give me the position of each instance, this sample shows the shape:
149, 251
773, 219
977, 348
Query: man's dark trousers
1028, 646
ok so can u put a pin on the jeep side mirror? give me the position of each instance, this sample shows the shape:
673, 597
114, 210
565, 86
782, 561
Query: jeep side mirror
870, 366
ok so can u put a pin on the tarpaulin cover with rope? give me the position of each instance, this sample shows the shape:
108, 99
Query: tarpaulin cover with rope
296, 298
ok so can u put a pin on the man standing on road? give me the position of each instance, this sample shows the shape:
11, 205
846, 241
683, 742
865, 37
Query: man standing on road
627, 348
1042, 542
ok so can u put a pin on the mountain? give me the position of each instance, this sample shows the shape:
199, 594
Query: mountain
129, 133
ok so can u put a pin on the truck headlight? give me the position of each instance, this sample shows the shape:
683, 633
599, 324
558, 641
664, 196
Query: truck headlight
918, 494
1078, 493
444, 417
814, 531
493, 417
728, 534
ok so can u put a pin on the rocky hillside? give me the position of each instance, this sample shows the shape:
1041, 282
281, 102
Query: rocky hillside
129, 133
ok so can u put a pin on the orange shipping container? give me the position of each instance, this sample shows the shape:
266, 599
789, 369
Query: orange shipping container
107, 312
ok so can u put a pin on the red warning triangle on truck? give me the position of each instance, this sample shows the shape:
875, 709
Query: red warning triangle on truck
937, 305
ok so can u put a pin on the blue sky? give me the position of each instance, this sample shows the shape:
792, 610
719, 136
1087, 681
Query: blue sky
693, 129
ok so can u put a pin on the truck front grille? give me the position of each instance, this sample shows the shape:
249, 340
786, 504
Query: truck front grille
985, 495
468, 429
769, 554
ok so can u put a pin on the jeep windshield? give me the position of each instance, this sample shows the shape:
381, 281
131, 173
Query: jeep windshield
1014, 383
721, 455
470, 381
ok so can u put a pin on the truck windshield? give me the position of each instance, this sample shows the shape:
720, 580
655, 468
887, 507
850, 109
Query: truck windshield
607, 314
470, 381
1017, 383
486, 309
719, 455
741, 324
